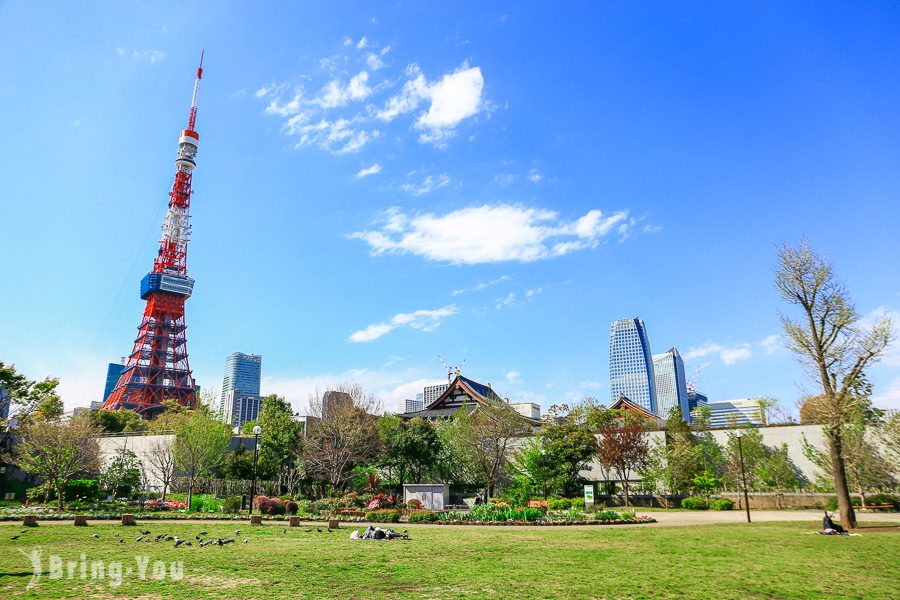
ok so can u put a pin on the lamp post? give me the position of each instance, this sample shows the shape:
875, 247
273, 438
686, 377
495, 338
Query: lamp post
740, 435
256, 431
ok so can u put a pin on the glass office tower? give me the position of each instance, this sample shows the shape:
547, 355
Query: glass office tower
631, 364
671, 384
242, 374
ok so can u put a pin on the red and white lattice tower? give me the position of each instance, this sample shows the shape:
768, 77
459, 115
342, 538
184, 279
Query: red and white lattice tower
157, 369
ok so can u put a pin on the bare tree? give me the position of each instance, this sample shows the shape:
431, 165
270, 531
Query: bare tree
342, 436
57, 451
161, 462
487, 435
623, 447
831, 344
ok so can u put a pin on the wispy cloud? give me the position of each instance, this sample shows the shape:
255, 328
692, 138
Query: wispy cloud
513, 377
771, 343
428, 185
534, 176
150, 56
483, 285
506, 301
728, 354
422, 320
490, 233
376, 168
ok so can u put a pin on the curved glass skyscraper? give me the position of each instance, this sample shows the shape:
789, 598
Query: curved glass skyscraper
631, 364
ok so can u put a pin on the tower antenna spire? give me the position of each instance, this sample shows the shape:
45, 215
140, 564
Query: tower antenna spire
192, 116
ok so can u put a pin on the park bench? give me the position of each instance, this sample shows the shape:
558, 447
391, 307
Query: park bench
877, 507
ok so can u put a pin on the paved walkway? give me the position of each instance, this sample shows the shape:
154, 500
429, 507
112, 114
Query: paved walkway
675, 518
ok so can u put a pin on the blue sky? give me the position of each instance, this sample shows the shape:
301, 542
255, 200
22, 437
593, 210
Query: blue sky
489, 182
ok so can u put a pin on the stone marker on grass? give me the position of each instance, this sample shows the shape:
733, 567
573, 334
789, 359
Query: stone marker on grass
30, 521
128, 520
295, 521
80, 520
256, 519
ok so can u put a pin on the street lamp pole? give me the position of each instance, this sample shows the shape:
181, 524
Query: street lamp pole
256, 431
740, 435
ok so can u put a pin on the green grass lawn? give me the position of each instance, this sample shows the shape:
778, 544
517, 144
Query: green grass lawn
771, 560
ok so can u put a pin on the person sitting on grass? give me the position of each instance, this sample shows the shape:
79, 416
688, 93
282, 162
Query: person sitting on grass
829, 526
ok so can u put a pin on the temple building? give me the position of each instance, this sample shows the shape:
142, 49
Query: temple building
463, 391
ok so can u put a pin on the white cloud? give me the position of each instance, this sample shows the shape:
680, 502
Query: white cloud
482, 285
533, 292
505, 178
363, 43
338, 137
454, 98
513, 377
376, 168
505, 301
76, 123
373, 59
771, 343
120, 51
150, 56
728, 354
488, 233
429, 184
423, 320
336, 94
534, 176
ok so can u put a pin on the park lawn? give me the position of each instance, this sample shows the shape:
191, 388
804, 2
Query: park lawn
768, 560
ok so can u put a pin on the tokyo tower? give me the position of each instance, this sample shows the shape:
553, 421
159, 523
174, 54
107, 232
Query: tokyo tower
157, 369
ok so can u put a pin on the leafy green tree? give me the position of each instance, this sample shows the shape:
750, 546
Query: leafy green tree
29, 400
58, 451
889, 434
279, 438
777, 473
755, 455
239, 464
116, 421
410, 448
832, 344
122, 475
200, 444
486, 437
681, 456
568, 448
865, 467
533, 468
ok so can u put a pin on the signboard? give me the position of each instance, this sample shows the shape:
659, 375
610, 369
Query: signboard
589, 495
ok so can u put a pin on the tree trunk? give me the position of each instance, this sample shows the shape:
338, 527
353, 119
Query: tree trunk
165, 489
59, 491
625, 487
190, 493
848, 516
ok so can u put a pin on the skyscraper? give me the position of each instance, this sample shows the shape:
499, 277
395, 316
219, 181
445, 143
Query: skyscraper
671, 384
242, 374
631, 364
112, 377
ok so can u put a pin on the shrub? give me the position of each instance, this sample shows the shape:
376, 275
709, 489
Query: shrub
318, 506
414, 504
694, 503
272, 506
205, 503
721, 504
876, 499
559, 504
578, 503
291, 507
85, 489
383, 515
231, 504
259, 500
606, 515
832, 503
423, 516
